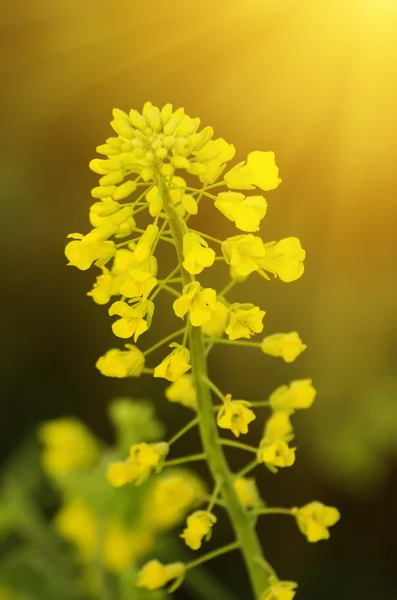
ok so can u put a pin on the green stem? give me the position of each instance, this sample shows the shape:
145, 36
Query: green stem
240, 518
215, 389
164, 341
211, 555
184, 459
248, 468
273, 511
213, 340
239, 445
184, 430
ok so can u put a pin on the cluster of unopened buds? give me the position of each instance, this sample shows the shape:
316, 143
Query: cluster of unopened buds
140, 175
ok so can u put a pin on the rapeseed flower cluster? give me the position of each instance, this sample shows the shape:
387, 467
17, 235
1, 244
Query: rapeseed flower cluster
144, 198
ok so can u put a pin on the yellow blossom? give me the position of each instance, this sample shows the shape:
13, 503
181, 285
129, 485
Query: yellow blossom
245, 320
314, 518
122, 363
104, 288
189, 204
112, 214
215, 327
278, 454
286, 345
284, 259
175, 364
199, 302
135, 319
299, 394
278, 427
172, 494
245, 212
235, 415
123, 546
279, 590
135, 278
77, 523
154, 574
93, 247
242, 252
143, 459
196, 253
199, 525
155, 201
144, 246
183, 392
260, 170
214, 156
68, 446
247, 492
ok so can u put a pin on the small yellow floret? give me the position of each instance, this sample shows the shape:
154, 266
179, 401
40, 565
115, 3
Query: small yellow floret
145, 243
278, 454
280, 590
199, 525
260, 170
123, 546
235, 415
314, 519
245, 212
284, 259
143, 459
77, 523
196, 253
242, 253
299, 394
122, 363
286, 345
155, 575
247, 492
245, 320
214, 156
199, 302
183, 392
215, 327
135, 319
93, 247
175, 364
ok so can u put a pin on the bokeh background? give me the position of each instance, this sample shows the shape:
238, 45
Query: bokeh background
315, 81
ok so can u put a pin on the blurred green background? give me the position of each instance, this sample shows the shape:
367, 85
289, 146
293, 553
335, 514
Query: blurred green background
315, 81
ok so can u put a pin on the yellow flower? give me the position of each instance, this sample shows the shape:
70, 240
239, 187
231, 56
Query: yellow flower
314, 518
135, 279
122, 363
145, 243
245, 212
104, 288
286, 345
247, 492
199, 525
123, 546
155, 575
213, 156
278, 454
172, 494
111, 214
284, 259
189, 203
143, 459
279, 590
242, 252
183, 392
155, 201
235, 415
77, 523
278, 427
215, 327
196, 253
260, 170
132, 322
176, 364
299, 394
93, 247
199, 302
244, 321
68, 446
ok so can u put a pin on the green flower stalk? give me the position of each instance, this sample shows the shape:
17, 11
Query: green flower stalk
142, 173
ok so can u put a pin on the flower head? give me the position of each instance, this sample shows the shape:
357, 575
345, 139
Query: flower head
299, 394
199, 525
259, 170
279, 590
155, 575
235, 415
244, 321
245, 212
199, 302
196, 253
68, 446
175, 364
183, 392
242, 252
284, 259
314, 519
135, 319
122, 363
286, 345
